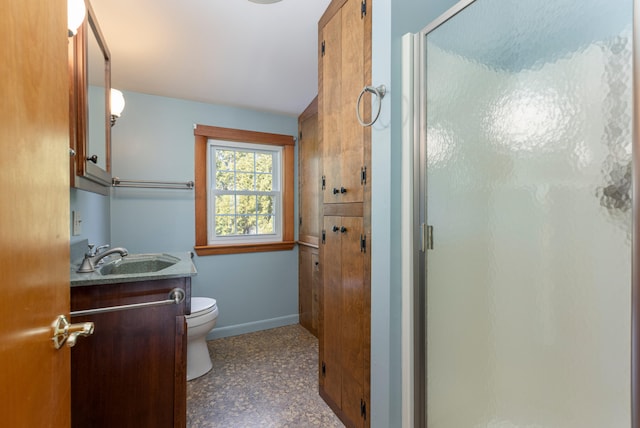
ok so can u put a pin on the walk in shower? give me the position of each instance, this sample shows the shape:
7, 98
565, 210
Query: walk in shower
524, 130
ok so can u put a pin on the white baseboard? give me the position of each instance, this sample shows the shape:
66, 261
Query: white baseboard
250, 327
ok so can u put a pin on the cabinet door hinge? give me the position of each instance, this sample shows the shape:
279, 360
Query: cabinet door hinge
324, 182
363, 409
363, 243
426, 235
300, 136
300, 223
324, 369
322, 48
363, 9
363, 175
324, 240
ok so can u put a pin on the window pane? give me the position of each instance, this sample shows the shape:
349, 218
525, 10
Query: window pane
266, 204
244, 181
247, 225
244, 161
266, 224
264, 162
224, 159
224, 180
225, 225
225, 204
246, 204
264, 182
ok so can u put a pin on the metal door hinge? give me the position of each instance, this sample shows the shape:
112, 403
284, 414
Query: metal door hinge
324, 182
363, 9
324, 369
324, 236
300, 223
322, 48
363, 409
300, 136
363, 243
363, 175
426, 236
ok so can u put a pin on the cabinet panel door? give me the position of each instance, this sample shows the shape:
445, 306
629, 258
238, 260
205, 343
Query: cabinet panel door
305, 289
352, 133
353, 328
332, 309
309, 180
315, 291
331, 106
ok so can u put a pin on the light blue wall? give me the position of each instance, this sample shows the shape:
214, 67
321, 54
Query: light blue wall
94, 211
391, 20
153, 140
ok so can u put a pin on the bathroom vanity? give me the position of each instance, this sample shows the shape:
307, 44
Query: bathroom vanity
132, 370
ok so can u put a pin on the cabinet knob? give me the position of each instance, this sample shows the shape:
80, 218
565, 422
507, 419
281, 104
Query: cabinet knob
343, 229
335, 228
93, 158
335, 191
343, 190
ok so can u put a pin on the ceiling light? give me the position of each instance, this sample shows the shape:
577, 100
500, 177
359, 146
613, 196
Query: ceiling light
264, 1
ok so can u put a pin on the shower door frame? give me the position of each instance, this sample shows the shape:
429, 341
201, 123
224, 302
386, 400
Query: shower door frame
414, 216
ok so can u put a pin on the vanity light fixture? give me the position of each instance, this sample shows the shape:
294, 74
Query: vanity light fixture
264, 1
117, 105
76, 11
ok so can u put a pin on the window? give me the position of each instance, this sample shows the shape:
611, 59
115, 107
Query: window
245, 199
244, 191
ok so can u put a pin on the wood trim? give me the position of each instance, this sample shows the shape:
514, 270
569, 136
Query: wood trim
210, 250
367, 215
331, 10
202, 134
354, 209
288, 190
243, 136
309, 241
311, 109
200, 181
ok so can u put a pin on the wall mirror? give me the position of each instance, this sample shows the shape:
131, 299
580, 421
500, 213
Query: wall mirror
90, 87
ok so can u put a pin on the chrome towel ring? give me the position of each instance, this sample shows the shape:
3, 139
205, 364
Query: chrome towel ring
379, 92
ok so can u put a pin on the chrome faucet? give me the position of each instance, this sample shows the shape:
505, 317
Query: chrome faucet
93, 258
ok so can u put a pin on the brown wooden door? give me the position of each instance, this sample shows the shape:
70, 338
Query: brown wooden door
331, 106
344, 316
307, 290
332, 309
343, 77
34, 212
309, 181
353, 316
352, 82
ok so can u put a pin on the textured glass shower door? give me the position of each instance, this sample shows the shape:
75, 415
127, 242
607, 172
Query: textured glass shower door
528, 109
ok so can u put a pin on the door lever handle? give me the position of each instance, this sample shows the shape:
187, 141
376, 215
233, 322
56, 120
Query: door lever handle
64, 331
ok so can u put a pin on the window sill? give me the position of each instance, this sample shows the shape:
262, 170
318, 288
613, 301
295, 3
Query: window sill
212, 250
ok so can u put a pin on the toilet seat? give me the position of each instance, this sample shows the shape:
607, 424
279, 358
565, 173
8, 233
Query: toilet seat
201, 306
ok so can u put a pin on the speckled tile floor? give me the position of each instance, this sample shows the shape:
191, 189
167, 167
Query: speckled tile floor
262, 379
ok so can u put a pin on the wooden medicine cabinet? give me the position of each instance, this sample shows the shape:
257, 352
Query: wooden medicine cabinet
89, 104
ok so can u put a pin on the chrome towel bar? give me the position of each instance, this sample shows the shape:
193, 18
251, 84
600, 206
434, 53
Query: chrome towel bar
147, 184
176, 296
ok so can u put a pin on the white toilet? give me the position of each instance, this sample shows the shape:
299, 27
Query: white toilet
204, 314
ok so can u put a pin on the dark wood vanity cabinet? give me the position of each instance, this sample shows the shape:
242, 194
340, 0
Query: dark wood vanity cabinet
132, 371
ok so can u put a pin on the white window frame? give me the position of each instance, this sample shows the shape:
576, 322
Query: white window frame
212, 192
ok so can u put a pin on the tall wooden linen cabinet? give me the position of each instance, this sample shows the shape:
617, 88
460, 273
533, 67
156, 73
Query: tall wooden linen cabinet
344, 68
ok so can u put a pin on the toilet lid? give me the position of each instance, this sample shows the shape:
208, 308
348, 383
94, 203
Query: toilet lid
201, 304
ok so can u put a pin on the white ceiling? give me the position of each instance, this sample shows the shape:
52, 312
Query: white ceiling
230, 52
